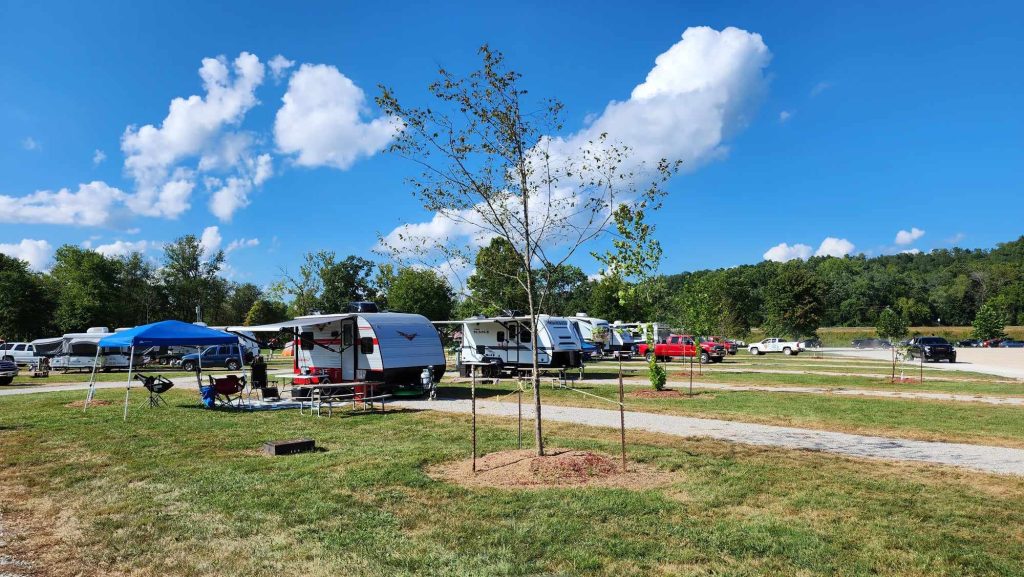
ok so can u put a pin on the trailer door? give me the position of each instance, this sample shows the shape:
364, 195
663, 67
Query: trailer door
349, 351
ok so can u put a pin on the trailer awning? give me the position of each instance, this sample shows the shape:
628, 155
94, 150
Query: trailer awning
481, 321
309, 321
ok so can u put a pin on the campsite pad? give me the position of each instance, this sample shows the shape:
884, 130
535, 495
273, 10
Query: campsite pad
559, 468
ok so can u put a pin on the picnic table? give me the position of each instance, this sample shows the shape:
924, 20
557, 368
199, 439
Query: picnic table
318, 395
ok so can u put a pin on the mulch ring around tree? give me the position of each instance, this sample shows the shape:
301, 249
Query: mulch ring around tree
92, 403
523, 469
668, 393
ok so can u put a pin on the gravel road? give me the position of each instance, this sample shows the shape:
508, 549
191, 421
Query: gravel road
977, 457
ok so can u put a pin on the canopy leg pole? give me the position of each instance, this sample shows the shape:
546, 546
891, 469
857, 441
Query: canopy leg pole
128, 385
92, 381
199, 369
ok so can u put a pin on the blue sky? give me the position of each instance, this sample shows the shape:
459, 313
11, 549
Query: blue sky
864, 121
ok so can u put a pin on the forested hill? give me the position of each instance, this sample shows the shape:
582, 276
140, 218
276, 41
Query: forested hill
943, 284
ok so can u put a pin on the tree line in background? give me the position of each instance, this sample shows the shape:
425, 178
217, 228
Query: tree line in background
948, 287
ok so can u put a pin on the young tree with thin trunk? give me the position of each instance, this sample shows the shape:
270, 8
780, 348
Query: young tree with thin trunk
891, 325
494, 167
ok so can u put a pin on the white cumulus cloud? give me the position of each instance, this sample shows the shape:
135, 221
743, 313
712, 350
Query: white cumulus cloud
832, 246
124, 248
98, 156
905, 237
90, 205
210, 241
30, 144
700, 92
190, 128
322, 120
36, 253
279, 65
783, 252
240, 243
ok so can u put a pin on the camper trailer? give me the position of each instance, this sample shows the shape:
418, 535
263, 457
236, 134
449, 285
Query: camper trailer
609, 339
393, 348
506, 342
78, 352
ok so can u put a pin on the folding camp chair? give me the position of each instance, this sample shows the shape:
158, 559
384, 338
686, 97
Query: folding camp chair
228, 389
156, 385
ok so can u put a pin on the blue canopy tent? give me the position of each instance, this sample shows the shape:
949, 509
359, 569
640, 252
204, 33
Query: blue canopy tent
161, 334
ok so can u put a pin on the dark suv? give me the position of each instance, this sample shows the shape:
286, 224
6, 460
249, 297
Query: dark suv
932, 349
215, 357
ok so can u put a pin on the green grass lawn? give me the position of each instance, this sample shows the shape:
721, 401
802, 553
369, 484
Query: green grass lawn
936, 382
927, 420
183, 491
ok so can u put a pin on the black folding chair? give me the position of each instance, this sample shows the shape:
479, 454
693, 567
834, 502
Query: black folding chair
156, 385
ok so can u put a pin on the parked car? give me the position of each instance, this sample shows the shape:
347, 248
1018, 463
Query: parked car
683, 346
216, 356
871, 344
992, 343
812, 344
1011, 344
23, 354
931, 349
776, 345
8, 370
969, 343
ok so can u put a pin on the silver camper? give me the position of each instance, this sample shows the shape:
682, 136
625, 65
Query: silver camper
78, 352
507, 344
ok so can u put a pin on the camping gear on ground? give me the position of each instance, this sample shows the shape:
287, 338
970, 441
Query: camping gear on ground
228, 389
40, 368
156, 385
208, 396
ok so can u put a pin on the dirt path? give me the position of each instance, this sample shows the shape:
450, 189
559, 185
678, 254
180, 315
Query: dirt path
978, 457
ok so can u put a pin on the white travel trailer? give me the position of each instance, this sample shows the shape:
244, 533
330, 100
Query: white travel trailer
507, 343
393, 348
78, 352
620, 340
609, 339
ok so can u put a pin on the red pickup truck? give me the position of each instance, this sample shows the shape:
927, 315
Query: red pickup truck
683, 346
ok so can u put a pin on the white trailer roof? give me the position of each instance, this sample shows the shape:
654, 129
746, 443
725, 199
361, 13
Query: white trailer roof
306, 321
476, 321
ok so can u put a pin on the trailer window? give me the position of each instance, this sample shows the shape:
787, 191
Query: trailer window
366, 345
346, 335
501, 336
306, 341
524, 335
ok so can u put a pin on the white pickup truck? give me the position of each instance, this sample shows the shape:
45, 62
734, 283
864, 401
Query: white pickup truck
774, 345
